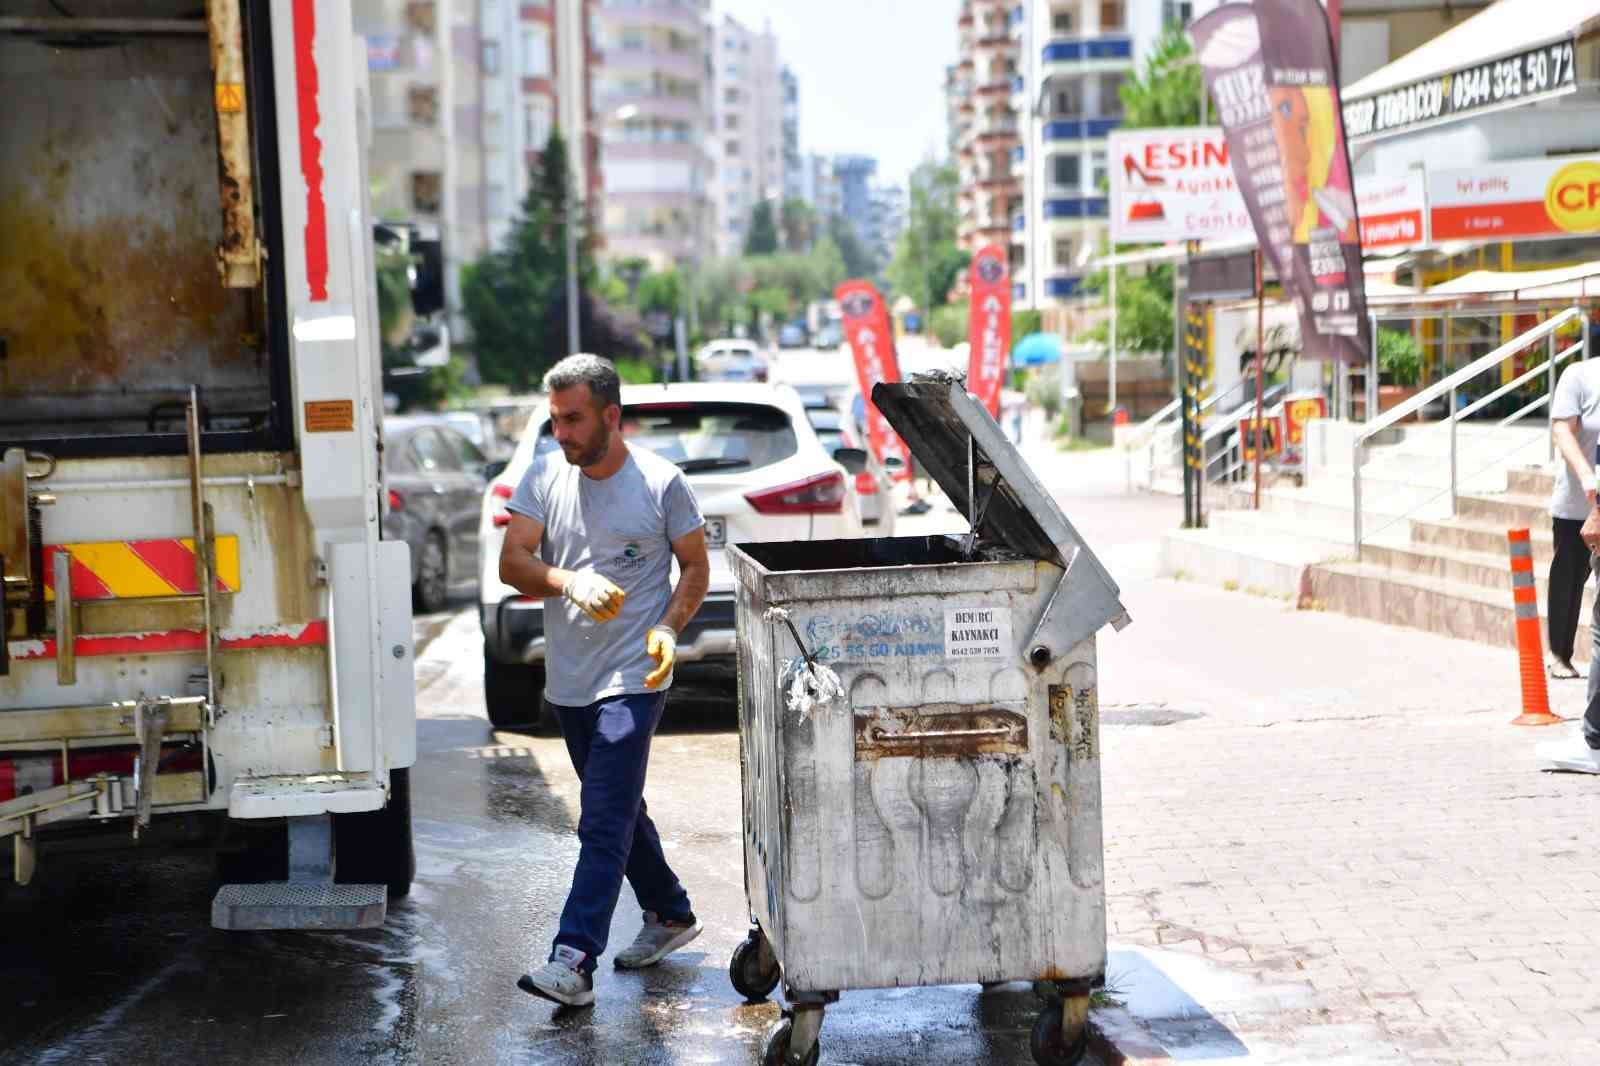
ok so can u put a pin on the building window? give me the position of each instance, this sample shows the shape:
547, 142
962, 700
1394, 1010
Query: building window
1063, 22
490, 60
730, 96
633, 39
1110, 94
731, 122
496, 201
1111, 15
1068, 101
733, 148
1179, 11
536, 52
427, 191
536, 123
422, 105
1098, 173
1064, 170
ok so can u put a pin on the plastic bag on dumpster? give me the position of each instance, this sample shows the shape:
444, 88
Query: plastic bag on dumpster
814, 687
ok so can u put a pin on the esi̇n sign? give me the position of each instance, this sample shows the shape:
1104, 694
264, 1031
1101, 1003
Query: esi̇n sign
1174, 185
1514, 200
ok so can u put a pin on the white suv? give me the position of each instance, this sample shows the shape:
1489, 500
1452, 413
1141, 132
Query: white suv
759, 473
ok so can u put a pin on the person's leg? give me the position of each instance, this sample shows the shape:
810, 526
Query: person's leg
613, 788
1569, 569
653, 881
1591, 715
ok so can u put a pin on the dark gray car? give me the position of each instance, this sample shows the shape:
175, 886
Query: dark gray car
436, 478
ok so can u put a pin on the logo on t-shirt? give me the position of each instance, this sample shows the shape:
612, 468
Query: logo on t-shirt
631, 558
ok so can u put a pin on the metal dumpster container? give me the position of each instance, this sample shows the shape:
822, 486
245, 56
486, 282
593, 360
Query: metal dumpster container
939, 824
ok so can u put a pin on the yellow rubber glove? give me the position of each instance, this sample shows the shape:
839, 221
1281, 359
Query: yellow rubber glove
595, 595
661, 644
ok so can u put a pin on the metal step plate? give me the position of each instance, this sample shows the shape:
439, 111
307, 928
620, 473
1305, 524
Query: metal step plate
299, 905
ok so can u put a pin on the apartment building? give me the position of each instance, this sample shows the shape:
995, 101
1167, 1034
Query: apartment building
652, 108
855, 176
819, 187
1073, 57
989, 193
887, 210
793, 162
747, 139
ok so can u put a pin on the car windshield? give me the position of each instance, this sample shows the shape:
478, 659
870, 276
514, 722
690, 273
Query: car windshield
711, 436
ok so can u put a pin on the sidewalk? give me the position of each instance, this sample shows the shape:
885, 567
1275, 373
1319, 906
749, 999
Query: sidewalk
1324, 841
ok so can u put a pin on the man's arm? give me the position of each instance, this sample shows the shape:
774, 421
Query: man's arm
694, 577
1565, 432
520, 565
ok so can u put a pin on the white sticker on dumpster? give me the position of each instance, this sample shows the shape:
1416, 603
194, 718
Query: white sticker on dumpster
977, 633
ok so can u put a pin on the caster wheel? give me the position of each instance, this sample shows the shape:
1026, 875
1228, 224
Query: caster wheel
777, 1053
1053, 1047
745, 971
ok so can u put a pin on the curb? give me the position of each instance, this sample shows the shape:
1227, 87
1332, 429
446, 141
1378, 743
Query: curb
1118, 1038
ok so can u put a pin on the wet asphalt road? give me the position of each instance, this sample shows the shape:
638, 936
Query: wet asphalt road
110, 957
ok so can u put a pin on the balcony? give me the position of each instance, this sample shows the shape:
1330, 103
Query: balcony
1019, 292
1017, 21
1019, 222
668, 14
1019, 161
1079, 129
1114, 47
1063, 285
1075, 207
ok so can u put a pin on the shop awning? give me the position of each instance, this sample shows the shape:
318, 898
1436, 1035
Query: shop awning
1560, 283
1501, 29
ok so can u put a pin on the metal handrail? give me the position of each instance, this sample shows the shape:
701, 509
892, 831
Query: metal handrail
1545, 330
1522, 379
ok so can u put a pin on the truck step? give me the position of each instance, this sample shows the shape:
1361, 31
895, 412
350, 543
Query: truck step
299, 905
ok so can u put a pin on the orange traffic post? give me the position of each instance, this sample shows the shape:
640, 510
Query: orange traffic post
1530, 642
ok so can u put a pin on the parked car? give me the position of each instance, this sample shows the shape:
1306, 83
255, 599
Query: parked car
826, 411
731, 360
436, 478
759, 472
479, 428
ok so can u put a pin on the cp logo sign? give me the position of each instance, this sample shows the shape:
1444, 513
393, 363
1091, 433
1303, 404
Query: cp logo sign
1572, 198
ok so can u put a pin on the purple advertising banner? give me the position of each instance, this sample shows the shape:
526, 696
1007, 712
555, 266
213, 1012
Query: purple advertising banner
1270, 69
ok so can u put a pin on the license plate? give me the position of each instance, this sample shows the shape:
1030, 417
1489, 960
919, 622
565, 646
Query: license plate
716, 532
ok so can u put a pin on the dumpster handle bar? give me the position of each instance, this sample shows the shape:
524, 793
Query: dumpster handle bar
878, 733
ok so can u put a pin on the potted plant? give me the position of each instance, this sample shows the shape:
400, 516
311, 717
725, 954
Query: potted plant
1399, 369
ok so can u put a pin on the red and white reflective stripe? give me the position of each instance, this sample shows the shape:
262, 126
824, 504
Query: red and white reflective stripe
299, 635
310, 116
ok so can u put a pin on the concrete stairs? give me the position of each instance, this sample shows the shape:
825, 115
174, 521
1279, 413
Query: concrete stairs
1420, 566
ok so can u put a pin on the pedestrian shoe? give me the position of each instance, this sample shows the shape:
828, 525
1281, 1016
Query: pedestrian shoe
1562, 669
916, 507
560, 980
656, 941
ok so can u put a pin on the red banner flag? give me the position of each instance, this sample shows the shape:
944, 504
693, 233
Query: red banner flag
989, 326
866, 324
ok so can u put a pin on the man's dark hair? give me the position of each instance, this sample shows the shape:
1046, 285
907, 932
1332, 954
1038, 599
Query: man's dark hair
591, 370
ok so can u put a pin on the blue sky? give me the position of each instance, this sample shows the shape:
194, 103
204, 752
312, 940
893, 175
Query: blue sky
871, 72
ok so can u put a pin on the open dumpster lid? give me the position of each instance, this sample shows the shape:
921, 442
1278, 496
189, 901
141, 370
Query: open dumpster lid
946, 428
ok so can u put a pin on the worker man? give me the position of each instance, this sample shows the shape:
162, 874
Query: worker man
594, 532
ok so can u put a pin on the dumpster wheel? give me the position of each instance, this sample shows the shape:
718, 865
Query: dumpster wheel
754, 969
1061, 1032
778, 1039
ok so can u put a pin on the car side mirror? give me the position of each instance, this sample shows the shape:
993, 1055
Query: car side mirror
494, 468
854, 460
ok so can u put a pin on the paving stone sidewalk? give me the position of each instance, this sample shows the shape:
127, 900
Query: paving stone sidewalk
1339, 814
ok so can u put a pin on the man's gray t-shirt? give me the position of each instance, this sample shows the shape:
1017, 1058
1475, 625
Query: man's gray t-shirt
623, 527
1577, 396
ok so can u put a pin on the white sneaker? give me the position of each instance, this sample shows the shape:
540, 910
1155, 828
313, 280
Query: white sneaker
656, 941
560, 980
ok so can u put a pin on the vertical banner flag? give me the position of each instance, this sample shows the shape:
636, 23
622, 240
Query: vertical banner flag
866, 325
989, 326
1270, 68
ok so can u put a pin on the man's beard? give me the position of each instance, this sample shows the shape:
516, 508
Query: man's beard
596, 451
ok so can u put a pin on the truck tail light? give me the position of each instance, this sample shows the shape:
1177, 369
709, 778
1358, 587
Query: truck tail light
823, 494
502, 517
397, 502
866, 484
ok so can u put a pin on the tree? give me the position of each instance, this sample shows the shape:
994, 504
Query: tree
1167, 89
1144, 309
763, 238
799, 224
828, 262
858, 258
927, 260
515, 298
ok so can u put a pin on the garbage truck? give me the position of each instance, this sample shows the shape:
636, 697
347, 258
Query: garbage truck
201, 627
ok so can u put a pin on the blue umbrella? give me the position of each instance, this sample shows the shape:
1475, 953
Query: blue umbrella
1037, 349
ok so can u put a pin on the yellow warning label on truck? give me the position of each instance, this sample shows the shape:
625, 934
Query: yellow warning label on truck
230, 97
330, 416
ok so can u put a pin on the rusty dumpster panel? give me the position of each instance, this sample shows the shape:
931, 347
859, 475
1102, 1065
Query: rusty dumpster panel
110, 300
